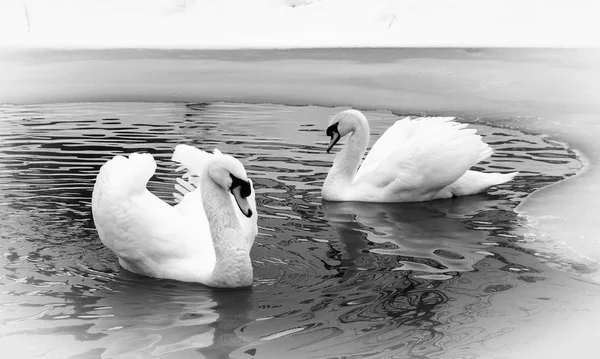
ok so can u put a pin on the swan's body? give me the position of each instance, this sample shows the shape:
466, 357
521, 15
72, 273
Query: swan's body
205, 238
414, 160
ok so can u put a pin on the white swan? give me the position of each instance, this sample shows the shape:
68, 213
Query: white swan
414, 160
204, 238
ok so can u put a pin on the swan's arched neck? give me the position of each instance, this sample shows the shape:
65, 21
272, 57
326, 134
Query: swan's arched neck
345, 165
233, 267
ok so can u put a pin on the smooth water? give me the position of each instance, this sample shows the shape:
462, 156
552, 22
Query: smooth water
449, 278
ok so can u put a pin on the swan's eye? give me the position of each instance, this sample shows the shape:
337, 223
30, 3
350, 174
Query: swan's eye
245, 189
332, 129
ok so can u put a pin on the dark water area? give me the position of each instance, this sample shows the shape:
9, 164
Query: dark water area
442, 279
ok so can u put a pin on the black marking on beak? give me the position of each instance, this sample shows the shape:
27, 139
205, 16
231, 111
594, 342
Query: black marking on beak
241, 190
332, 131
245, 189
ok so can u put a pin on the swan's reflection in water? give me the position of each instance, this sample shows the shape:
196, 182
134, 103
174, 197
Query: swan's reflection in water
434, 238
135, 316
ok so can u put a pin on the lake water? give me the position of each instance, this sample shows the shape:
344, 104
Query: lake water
444, 279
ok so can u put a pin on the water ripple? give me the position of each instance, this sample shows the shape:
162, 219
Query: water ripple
331, 279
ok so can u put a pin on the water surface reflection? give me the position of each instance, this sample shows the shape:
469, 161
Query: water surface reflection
430, 237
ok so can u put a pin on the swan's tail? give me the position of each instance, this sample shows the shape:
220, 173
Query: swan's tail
192, 160
473, 182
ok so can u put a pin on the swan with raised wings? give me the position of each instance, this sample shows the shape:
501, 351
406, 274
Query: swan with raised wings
206, 237
415, 160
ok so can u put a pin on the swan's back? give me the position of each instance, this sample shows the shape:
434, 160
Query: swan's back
416, 158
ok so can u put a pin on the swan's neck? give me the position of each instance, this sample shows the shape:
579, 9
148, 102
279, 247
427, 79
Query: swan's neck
346, 162
233, 267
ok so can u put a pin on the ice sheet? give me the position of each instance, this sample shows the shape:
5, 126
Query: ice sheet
298, 23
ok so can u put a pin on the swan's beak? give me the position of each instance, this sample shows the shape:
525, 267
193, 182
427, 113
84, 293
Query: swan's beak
335, 137
241, 190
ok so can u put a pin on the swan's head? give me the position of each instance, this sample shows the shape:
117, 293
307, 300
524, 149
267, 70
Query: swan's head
229, 173
344, 123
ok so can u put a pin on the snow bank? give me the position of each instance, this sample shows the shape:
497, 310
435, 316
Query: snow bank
297, 23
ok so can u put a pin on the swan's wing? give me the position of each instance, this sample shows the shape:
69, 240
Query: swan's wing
188, 194
395, 138
118, 180
190, 158
124, 210
391, 138
126, 174
423, 154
